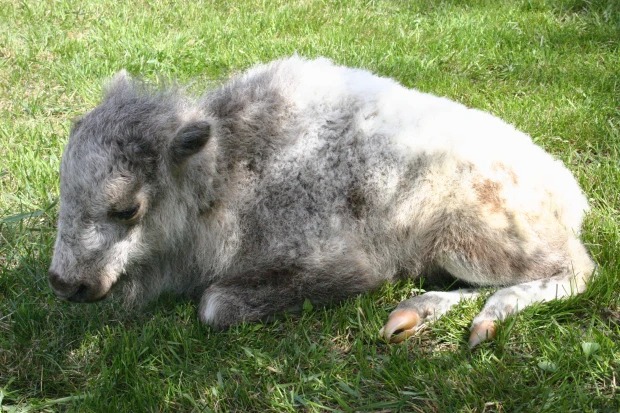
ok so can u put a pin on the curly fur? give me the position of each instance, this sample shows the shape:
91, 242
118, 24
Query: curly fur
305, 180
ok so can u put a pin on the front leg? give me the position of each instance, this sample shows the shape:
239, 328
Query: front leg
259, 294
224, 305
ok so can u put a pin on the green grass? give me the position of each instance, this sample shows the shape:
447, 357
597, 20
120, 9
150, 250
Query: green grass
551, 67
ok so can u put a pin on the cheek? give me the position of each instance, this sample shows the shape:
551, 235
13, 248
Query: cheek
171, 222
124, 252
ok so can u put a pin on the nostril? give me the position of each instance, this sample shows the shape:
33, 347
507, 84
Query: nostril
58, 284
81, 291
54, 278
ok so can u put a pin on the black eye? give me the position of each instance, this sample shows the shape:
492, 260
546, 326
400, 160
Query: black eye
125, 214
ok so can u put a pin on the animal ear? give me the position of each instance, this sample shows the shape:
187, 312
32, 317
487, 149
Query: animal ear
189, 140
120, 84
122, 78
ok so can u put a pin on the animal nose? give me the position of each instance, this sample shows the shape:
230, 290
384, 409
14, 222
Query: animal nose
67, 290
60, 286
77, 292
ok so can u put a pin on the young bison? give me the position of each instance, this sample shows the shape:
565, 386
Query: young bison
304, 180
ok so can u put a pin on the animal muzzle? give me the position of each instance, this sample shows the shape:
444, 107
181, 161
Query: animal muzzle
79, 292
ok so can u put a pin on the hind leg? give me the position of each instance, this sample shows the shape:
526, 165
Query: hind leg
565, 279
513, 299
497, 226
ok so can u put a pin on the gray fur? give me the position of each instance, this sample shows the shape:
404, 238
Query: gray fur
259, 195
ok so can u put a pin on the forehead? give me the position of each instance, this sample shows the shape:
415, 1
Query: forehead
122, 137
84, 173
118, 120
117, 137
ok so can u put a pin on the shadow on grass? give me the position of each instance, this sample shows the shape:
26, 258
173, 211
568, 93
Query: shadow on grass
162, 358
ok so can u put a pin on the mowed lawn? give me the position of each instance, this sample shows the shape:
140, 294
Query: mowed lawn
551, 67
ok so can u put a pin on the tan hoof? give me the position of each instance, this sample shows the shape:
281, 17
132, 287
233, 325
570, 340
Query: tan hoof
401, 324
485, 330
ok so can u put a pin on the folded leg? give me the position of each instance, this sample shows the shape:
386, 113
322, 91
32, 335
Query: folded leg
258, 294
510, 300
562, 279
491, 233
411, 314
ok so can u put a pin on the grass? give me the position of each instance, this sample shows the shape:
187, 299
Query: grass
551, 67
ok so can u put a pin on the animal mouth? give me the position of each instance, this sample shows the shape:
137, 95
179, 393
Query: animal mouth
86, 294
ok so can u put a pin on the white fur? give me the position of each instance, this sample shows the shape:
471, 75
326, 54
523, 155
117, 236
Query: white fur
209, 307
302, 179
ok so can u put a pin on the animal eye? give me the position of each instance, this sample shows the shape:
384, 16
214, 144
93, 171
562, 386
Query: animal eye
125, 214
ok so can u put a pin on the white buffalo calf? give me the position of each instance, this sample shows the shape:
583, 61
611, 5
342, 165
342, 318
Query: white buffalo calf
305, 180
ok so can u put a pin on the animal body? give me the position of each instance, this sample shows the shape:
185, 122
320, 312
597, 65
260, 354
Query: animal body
301, 179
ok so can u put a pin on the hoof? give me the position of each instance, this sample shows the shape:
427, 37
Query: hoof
484, 330
401, 324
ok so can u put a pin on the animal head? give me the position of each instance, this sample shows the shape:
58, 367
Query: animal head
121, 186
